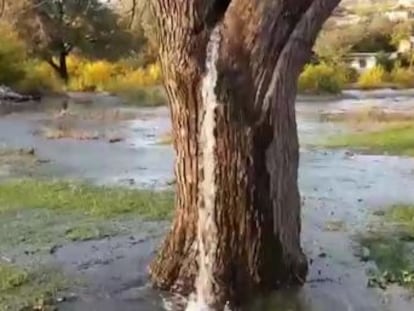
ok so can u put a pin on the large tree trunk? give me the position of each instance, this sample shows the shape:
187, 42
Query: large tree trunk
237, 205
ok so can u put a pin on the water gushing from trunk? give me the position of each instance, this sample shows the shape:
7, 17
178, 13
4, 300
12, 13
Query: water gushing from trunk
207, 234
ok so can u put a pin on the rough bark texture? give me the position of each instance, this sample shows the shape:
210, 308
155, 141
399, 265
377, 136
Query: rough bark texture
257, 210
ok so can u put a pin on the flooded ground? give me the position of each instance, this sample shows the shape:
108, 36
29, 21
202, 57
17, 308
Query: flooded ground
340, 191
136, 158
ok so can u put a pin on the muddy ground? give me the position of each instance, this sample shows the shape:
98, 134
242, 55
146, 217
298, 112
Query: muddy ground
340, 192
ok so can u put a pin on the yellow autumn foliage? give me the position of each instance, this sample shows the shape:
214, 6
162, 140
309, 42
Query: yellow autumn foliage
372, 78
39, 77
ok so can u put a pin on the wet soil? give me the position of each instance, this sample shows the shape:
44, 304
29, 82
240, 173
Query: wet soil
337, 187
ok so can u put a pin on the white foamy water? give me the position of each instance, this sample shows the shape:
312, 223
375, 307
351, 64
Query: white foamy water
207, 230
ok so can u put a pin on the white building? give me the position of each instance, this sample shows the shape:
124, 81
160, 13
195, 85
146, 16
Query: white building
406, 3
361, 61
398, 15
401, 11
406, 45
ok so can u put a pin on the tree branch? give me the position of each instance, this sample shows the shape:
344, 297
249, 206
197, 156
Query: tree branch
133, 12
68, 47
306, 31
2, 7
296, 52
51, 62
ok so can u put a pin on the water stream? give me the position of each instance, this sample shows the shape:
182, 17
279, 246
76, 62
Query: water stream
207, 230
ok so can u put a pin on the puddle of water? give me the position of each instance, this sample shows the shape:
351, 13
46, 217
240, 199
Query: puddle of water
335, 187
137, 158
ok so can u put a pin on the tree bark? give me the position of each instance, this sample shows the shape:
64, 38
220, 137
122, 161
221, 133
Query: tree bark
61, 69
256, 215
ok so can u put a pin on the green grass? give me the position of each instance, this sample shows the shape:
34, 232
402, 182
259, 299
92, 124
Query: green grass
86, 199
391, 247
393, 257
394, 140
37, 217
88, 231
11, 277
388, 252
401, 213
39, 230
21, 289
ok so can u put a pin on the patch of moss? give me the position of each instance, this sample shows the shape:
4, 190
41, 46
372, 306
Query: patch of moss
21, 288
394, 140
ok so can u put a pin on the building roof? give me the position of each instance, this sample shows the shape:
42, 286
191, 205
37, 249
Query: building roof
362, 54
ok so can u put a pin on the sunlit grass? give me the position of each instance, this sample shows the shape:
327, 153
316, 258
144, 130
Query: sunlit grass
368, 115
397, 139
86, 199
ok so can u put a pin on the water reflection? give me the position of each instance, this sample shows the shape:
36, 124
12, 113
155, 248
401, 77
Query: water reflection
293, 300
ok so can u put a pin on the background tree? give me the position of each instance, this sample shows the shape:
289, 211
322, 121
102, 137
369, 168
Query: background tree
377, 36
237, 215
52, 29
12, 52
335, 42
138, 18
402, 31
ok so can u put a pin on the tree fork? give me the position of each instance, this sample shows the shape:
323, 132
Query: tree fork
263, 47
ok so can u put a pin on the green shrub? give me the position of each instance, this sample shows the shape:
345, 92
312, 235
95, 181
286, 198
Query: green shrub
12, 55
92, 75
137, 85
373, 78
322, 78
395, 139
39, 78
403, 77
351, 75
384, 61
